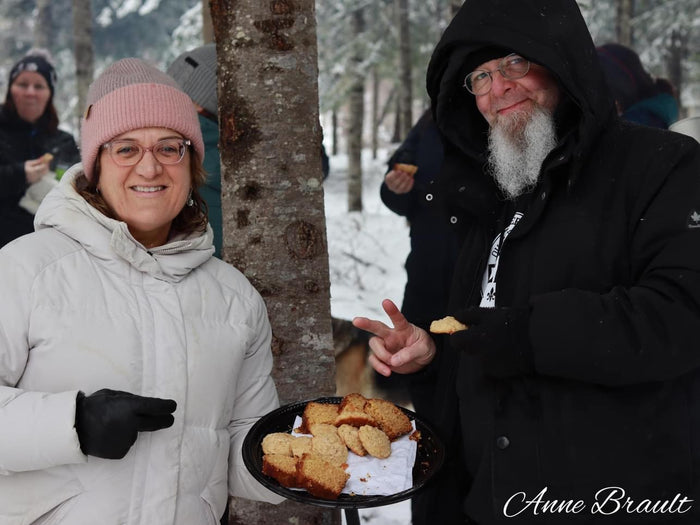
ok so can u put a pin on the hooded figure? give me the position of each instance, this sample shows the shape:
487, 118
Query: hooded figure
579, 371
598, 297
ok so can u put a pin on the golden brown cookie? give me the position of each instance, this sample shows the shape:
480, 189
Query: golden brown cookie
375, 441
411, 169
447, 325
331, 448
323, 428
349, 435
277, 443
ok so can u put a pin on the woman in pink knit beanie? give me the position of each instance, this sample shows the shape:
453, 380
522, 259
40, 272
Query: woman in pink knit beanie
132, 362
127, 98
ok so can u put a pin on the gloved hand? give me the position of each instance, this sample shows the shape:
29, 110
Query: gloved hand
107, 422
499, 336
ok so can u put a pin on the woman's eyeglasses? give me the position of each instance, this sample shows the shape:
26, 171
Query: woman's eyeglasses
129, 153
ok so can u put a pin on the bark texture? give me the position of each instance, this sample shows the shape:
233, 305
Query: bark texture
356, 112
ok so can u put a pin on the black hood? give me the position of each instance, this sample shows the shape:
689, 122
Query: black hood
551, 33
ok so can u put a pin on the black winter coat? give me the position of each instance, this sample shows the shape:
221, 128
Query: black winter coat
19, 142
607, 259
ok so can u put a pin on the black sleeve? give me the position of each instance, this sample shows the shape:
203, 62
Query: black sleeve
405, 154
64, 150
646, 331
13, 181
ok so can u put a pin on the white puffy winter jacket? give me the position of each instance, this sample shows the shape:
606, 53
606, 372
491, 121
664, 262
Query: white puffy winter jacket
84, 307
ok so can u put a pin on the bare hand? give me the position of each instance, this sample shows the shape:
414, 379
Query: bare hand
399, 182
403, 349
35, 169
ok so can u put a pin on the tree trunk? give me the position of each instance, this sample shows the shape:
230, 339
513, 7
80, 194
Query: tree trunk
207, 28
375, 112
356, 109
84, 55
43, 31
334, 125
387, 106
272, 199
398, 134
623, 26
405, 81
674, 65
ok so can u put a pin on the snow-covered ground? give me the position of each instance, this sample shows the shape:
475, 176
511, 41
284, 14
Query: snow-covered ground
367, 251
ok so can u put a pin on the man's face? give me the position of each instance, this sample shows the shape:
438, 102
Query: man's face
508, 98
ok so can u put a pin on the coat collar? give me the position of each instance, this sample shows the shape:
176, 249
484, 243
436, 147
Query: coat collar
110, 240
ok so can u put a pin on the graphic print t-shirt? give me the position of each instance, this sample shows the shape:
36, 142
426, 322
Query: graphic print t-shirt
488, 283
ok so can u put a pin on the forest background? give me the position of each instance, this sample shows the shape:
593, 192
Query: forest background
387, 42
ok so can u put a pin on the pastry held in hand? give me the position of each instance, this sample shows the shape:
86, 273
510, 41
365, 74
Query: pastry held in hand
46, 158
447, 325
408, 168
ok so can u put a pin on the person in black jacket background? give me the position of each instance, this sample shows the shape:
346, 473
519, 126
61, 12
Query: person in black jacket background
575, 390
29, 130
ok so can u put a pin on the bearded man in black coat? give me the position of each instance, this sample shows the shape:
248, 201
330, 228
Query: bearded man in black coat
574, 394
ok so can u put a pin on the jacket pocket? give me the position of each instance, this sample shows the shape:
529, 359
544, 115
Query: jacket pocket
215, 492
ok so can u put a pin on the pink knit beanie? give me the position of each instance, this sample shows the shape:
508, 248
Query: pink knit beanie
131, 94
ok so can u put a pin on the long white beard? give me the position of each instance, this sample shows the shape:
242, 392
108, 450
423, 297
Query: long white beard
518, 144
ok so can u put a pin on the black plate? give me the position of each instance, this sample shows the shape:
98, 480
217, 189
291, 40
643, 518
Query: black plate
429, 458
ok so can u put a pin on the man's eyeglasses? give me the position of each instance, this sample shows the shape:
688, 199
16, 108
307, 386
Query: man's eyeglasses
512, 67
129, 153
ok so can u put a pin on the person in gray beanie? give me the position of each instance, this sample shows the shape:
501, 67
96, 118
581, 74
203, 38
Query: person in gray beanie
195, 71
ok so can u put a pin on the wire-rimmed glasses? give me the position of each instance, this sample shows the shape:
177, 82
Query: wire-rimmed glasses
512, 67
130, 153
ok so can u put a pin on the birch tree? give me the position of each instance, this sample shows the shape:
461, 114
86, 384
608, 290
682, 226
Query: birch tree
272, 198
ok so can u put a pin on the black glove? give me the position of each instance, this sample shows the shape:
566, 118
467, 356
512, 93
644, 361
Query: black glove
108, 421
499, 336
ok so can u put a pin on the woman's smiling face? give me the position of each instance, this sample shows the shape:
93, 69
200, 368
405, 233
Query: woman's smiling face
148, 195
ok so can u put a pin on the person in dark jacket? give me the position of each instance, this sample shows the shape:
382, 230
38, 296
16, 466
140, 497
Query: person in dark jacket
429, 267
639, 97
575, 389
433, 239
28, 131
